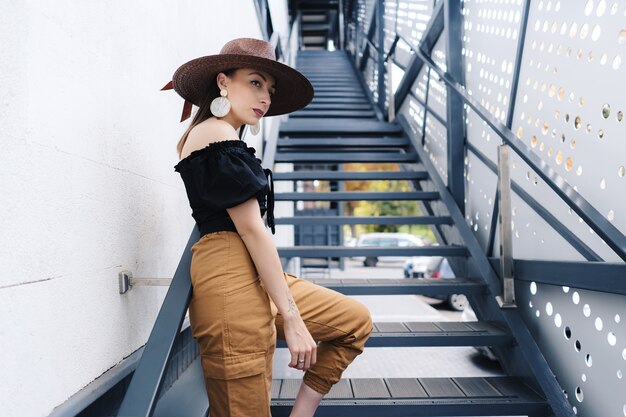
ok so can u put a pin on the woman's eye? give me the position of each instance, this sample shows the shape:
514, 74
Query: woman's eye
257, 83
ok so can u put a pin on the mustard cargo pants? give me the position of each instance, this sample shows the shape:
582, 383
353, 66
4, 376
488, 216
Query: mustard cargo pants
236, 325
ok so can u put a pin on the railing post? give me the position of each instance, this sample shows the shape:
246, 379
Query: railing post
507, 299
341, 22
391, 111
456, 129
380, 25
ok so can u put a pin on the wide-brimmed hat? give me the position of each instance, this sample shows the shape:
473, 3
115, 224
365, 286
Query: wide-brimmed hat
193, 79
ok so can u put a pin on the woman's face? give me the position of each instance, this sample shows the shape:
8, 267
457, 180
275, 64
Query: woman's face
250, 93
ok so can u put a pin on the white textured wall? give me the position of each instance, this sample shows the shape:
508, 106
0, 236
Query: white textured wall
87, 180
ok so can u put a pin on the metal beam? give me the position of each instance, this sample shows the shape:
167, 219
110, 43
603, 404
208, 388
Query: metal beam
380, 62
429, 38
455, 126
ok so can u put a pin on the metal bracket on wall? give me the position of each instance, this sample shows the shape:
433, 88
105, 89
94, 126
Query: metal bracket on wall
127, 282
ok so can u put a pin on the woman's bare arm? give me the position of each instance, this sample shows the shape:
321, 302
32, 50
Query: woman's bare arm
264, 254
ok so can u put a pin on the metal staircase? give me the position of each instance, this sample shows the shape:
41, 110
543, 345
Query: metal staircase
340, 126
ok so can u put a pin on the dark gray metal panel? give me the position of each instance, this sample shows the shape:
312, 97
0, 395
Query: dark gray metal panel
341, 389
476, 387
363, 220
323, 251
187, 396
350, 175
289, 388
387, 327
405, 388
276, 384
369, 388
405, 286
337, 157
343, 142
356, 196
423, 327
440, 387
453, 326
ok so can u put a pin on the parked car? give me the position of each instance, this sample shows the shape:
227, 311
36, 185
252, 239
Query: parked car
415, 266
439, 268
469, 315
386, 240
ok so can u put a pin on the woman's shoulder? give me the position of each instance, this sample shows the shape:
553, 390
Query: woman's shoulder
207, 132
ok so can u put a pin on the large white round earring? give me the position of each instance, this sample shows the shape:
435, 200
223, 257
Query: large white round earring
255, 128
220, 106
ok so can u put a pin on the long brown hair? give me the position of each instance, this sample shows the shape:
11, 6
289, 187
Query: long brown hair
204, 110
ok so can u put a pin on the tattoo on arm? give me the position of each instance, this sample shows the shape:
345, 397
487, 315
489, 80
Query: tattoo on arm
291, 303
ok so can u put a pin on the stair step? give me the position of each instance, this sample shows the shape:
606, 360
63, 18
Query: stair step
357, 196
379, 220
339, 94
346, 251
342, 142
427, 334
334, 113
389, 397
314, 27
349, 175
335, 106
345, 157
367, 127
339, 100
337, 89
406, 286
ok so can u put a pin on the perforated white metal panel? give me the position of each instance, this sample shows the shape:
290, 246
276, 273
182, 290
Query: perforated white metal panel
570, 103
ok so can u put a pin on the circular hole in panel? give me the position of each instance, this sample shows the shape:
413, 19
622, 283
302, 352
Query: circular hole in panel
581, 101
610, 215
603, 59
599, 324
617, 318
549, 308
576, 297
579, 54
565, 290
579, 394
530, 304
601, 8
533, 141
617, 62
603, 184
600, 133
537, 313
611, 339
579, 170
590, 56
624, 354
572, 143
573, 29
584, 31
588, 127
619, 116
595, 33
561, 93
541, 146
587, 310
606, 110
559, 158
589, 7
583, 377
558, 321
622, 36
588, 360
619, 374
554, 133
621, 171
568, 164
545, 128
550, 151
566, 117
614, 8
567, 333
519, 133
624, 409
577, 346
571, 97
577, 122
552, 90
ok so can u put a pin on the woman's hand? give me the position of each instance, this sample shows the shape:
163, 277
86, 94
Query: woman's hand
301, 345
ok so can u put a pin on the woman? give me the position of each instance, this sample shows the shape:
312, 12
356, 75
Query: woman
242, 300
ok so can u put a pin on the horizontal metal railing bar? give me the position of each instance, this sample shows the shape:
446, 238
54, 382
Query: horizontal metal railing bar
343, 142
345, 251
350, 175
337, 106
357, 196
425, 334
326, 114
574, 240
379, 220
596, 276
405, 286
328, 157
600, 224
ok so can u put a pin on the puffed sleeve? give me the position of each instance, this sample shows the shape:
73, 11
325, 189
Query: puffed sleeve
223, 178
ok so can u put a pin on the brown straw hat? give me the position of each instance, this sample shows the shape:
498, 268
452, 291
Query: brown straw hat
193, 79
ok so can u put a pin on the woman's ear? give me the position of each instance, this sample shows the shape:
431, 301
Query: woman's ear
222, 80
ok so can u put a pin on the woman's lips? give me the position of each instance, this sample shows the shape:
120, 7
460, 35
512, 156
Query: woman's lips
258, 112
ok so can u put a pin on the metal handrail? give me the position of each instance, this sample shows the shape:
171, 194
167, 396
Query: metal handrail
609, 233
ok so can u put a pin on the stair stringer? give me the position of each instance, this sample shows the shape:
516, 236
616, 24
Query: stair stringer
524, 359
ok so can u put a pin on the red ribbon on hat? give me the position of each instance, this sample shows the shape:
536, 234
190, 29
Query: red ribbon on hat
186, 107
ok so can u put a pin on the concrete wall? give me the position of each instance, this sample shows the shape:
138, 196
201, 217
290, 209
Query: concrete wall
87, 180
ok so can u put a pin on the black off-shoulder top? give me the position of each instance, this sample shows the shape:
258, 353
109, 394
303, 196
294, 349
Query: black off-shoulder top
222, 175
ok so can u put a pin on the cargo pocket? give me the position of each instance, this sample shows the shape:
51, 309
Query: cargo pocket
248, 321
